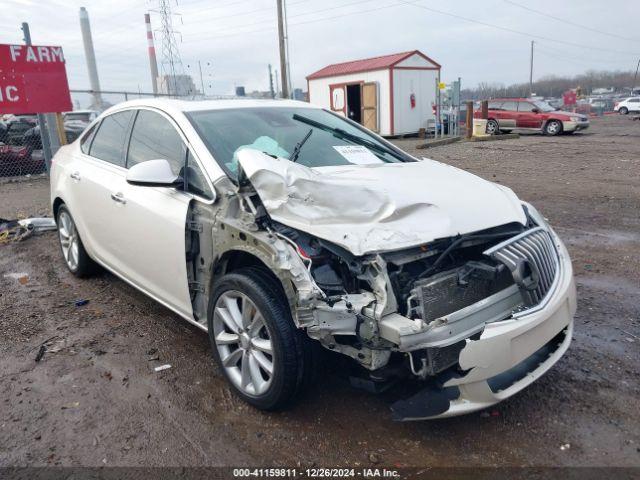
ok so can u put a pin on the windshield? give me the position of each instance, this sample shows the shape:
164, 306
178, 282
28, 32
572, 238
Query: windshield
543, 106
277, 130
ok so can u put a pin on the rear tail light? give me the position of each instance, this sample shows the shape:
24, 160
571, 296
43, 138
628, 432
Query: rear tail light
615, 105
22, 152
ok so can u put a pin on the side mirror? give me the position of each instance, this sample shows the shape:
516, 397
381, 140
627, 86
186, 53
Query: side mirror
153, 173
535, 110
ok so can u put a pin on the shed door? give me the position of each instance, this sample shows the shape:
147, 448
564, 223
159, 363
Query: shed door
370, 106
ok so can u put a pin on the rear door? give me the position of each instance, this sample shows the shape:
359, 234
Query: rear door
506, 114
527, 118
152, 227
95, 176
370, 106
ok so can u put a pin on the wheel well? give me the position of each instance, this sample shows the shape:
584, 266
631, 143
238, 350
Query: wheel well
56, 205
237, 259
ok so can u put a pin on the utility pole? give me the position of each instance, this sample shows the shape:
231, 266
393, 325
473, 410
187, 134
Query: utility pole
531, 72
635, 77
201, 80
42, 123
271, 90
284, 77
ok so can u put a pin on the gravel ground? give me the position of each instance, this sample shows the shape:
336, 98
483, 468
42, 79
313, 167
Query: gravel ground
94, 398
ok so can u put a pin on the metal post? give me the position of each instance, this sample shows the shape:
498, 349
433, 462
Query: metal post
42, 123
531, 72
469, 119
283, 56
635, 77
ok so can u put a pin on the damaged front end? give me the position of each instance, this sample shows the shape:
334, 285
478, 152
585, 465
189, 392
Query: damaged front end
472, 318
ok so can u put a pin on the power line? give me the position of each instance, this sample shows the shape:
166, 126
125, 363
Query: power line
243, 13
268, 20
569, 22
271, 29
518, 32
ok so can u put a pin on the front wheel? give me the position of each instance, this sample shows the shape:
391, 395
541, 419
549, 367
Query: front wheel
553, 127
262, 354
623, 110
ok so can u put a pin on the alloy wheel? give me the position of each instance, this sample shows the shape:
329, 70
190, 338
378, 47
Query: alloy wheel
492, 127
553, 127
243, 342
68, 240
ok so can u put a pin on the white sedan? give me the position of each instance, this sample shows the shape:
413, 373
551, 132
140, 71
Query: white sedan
281, 228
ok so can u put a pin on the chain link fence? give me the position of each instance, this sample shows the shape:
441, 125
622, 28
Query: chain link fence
21, 149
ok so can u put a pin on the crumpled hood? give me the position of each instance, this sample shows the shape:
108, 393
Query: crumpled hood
378, 207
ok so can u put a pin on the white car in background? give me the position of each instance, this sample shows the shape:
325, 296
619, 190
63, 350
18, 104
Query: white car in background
279, 227
631, 104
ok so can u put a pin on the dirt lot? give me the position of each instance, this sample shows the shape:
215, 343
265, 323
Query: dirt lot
94, 398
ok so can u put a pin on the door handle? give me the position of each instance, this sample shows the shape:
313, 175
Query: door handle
75, 176
118, 197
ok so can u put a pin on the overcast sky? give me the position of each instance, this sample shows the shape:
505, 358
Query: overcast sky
236, 39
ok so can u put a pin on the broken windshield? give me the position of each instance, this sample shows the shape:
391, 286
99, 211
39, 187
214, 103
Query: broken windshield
277, 130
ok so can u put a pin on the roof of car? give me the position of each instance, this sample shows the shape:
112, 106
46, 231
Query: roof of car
169, 104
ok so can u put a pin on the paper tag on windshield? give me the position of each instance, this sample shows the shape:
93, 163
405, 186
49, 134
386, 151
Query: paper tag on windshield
357, 154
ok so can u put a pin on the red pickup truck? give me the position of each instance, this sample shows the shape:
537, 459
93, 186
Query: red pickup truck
506, 114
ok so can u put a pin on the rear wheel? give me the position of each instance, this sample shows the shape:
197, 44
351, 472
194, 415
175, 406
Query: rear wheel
553, 127
492, 127
623, 110
262, 354
73, 252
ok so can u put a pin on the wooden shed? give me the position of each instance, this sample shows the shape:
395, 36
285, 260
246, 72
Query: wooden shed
392, 95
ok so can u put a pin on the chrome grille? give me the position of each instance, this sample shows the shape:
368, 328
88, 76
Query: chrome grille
533, 261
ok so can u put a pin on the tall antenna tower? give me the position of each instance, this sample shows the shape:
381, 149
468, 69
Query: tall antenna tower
171, 64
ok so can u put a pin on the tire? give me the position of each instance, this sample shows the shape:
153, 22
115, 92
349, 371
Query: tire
623, 111
268, 338
492, 127
75, 256
553, 127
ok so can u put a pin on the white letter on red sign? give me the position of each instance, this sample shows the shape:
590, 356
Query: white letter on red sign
10, 96
15, 51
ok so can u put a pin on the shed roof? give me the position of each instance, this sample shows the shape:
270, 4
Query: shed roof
366, 65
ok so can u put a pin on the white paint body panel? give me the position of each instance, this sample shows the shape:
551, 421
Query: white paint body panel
379, 207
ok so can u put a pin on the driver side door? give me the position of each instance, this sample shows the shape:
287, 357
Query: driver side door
152, 226
527, 118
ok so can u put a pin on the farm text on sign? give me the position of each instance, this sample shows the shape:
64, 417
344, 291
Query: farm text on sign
33, 79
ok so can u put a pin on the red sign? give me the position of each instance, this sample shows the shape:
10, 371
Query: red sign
33, 79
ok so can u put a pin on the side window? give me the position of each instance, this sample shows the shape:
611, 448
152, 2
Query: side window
495, 105
525, 107
635, 100
510, 106
195, 179
109, 139
153, 138
86, 140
